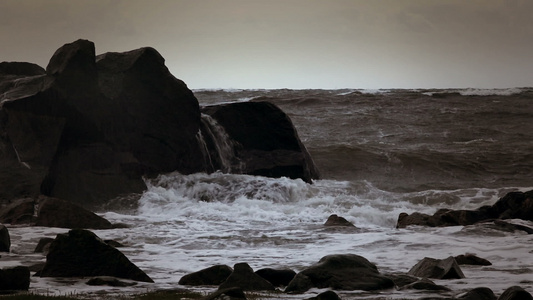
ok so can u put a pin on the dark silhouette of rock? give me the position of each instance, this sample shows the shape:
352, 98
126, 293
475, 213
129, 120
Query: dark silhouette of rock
110, 281
514, 205
481, 293
327, 295
266, 142
5, 239
437, 268
515, 293
471, 259
214, 275
80, 253
51, 212
17, 278
401, 280
340, 272
425, 284
335, 220
506, 226
44, 245
243, 277
278, 277
91, 127
233, 293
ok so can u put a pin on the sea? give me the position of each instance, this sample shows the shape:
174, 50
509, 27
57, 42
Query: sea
380, 153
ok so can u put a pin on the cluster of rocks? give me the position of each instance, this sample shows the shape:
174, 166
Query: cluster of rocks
89, 127
342, 272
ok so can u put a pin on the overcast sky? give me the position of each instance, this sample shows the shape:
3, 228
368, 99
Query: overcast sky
292, 43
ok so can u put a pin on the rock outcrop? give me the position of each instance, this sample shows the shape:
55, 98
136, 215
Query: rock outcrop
214, 275
437, 268
88, 128
80, 253
243, 277
340, 272
514, 205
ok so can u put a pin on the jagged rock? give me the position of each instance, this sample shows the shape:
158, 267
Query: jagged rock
277, 277
342, 272
327, 295
5, 239
44, 245
243, 276
17, 278
471, 259
110, 281
515, 293
214, 275
234, 293
481, 293
51, 212
266, 142
80, 253
437, 268
514, 205
335, 220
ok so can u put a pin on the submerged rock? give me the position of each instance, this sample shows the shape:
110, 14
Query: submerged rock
481, 293
471, 259
341, 272
243, 277
80, 253
437, 268
214, 275
335, 220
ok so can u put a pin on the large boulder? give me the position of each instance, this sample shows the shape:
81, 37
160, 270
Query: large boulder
243, 277
515, 293
80, 253
51, 212
17, 278
265, 141
278, 277
437, 268
340, 272
214, 275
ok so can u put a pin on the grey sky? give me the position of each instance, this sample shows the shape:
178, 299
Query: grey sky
292, 43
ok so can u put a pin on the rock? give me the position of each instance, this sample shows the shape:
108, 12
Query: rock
514, 205
17, 278
51, 212
342, 272
243, 276
437, 268
471, 259
214, 275
327, 295
277, 277
335, 220
515, 293
5, 240
424, 284
506, 226
233, 293
114, 243
44, 245
266, 142
481, 293
20, 69
80, 253
401, 280
110, 281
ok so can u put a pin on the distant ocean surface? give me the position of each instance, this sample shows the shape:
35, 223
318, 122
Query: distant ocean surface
380, 153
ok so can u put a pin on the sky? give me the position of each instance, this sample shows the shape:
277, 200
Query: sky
296, 44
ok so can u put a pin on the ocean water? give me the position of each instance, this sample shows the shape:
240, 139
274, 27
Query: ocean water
380, 153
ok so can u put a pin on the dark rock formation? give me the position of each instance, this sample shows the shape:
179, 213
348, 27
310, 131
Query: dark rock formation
44, 245
90, 127
514, 205
5, 239
214, 275
425, 284
335, 220
471, 259
437, 268
341, 272
515, 293
264, 139
234, 293
277, 277
80, 253
109, 281
243, 277
17, 278
327, 295
51, 212
481, 293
